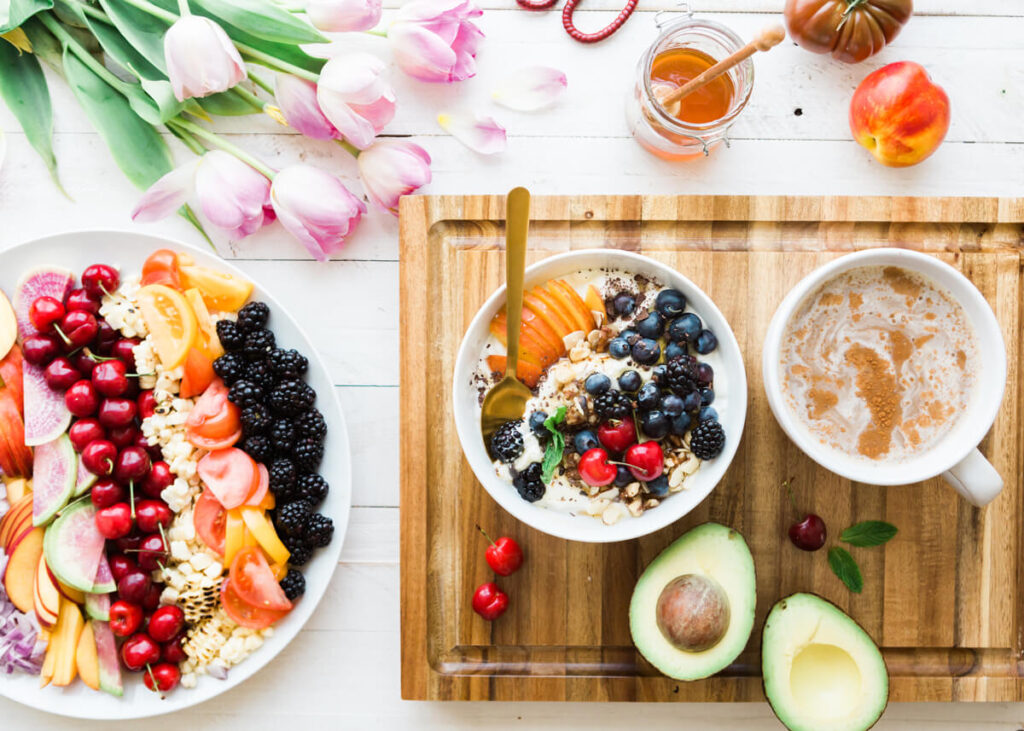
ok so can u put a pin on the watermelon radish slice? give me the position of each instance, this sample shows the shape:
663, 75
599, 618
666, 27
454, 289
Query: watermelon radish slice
104, 582
85, 480
97, 606
110, 666
54, 475
41, 282
74, 547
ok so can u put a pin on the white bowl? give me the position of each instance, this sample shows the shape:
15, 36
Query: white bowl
730, 402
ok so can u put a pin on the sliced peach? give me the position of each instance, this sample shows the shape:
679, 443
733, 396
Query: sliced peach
595, 303
47, 596
70, 626
553, 318
528, 373
556, 305
20, 575
578, 321
542, 330
87, 659
528, 342
577, 303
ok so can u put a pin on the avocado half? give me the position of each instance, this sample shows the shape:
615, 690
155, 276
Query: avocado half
822, 672
716, 560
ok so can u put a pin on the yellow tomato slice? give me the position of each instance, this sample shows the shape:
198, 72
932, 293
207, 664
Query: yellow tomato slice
207, 340
257, 523
171, 322
234, 536
222, 291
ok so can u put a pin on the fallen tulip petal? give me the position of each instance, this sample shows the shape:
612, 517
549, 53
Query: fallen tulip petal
530, 88
477, 132
167, 194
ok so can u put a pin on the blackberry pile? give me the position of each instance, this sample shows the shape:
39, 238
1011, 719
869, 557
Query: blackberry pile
281, 428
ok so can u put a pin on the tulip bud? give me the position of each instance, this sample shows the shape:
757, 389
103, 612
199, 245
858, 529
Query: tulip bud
355, 97
301, 110
201, 59
337, 16
391, 169
434, 40
316, 208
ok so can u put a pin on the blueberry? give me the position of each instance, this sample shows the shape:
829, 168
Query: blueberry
674, 350
623, 476
628, 334
658, 486
537, 419
585, 441
706, 342
619, 349
672, 405
670, 302
707, 396
655, 424
597, 384
651, 326
646, 351
684, 328
707, 413
649, 397
680, 424
624, 304
692, 402
705, 374
658, 373
630, 381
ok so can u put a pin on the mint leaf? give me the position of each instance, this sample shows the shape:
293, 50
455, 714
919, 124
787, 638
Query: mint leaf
845, 567
869, 533
556, 446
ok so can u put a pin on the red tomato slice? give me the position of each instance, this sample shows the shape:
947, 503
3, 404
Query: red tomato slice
229, 475
198, 374
162, 268
253, 580
212, 444
259, 490
213, 416
243, 613
209, 517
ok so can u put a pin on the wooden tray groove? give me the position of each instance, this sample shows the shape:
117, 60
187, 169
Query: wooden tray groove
941, 599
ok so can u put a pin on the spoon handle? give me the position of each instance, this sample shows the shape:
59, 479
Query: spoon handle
517, 220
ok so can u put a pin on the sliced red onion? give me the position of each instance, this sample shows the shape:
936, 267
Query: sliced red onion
217, 671
20, 646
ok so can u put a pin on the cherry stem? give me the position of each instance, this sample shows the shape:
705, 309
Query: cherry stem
131, 495
490, 540
156, 686
104, 289
98, 358
65, 338
631, 466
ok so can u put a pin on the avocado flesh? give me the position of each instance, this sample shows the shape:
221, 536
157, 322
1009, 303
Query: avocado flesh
711, 550
822, 672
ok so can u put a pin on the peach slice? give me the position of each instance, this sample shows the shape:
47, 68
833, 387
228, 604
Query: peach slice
556, 305
47, 596
595, 303
527, 372
69, 631
552, 317
577, 302
528, 342
87, 659
579, 322
20, 576
542, 330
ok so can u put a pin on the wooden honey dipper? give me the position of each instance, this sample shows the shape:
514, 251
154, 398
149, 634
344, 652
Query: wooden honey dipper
767, 39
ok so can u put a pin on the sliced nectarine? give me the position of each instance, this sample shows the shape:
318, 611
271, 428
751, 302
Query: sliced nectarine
542, 330
70, 626
556, 305
17, 488
578, 321
577, 303
20, 576
552, 317
47, 596
528, 373
528, 342
87, 659
13, 518
595, 303
11, 375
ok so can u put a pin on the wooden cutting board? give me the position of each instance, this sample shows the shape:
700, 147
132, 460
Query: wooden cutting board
941, 599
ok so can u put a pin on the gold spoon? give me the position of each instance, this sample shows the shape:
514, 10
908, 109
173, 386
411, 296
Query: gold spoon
507, 399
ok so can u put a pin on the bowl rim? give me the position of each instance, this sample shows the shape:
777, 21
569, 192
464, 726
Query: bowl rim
570, 527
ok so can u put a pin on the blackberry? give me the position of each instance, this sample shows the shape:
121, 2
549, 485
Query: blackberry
258, 447
287, 362
307, 454
258, 344
230, 335
259, 373
529, 484
282, 478
293, 584
253, 316
311, 425
681, 374
230, 366
299, 552
319, 531
282, 435
292, 518
256, 419
507, 442
613, 405
291, 397
245, 393
312, 488
707, 439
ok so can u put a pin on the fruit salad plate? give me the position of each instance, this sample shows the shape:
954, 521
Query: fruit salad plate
186, 438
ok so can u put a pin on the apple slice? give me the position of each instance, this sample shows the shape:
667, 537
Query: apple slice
8, 325
12, 373
86, 658
20, 576
528, 373
47, 596
11, 519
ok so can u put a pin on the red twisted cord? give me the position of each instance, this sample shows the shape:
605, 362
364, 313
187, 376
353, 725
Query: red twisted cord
570, 27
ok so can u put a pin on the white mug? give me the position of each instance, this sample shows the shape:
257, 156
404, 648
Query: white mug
955, 456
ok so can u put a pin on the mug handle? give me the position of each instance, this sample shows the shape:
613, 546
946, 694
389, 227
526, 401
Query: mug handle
975, 478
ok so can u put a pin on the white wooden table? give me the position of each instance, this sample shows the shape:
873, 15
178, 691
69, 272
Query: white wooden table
343, 670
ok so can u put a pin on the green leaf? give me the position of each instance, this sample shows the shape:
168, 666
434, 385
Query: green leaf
869, 533
44, 46
556, 446
137, 148
123, 52
15, 12
227, 104
845, 567
263, 19
23, 87
141, 30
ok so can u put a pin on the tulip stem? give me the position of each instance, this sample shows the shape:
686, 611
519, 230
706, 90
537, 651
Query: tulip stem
377, 32
275, 63
247, 96
349, 147
154, 10
262, 83
183, 8
223, 144
68, 42
187, 139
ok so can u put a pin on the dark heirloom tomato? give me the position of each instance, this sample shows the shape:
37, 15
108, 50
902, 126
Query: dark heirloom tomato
850, 30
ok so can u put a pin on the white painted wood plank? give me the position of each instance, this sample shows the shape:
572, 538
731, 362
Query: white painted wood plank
372, 416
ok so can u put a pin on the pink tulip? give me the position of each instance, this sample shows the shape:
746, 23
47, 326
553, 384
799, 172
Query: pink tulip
339, 16
434, 40
232, 195
201, 59
297, 99
355, 97
316, 208
391, 169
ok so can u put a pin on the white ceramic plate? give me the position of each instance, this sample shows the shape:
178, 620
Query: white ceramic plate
128, 251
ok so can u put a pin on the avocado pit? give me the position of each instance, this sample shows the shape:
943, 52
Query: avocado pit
693, 612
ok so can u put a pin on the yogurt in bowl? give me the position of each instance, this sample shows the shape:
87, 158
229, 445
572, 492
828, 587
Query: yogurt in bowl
630, 363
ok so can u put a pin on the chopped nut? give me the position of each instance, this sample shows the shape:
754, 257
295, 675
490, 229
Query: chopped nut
675, 440
561, 374
610, 494
597, 507
579, 352
597, 339
573, 339
593, 490
691, 464
675, 478
636, 507
611, 514
632, 489
651, 503
574, 416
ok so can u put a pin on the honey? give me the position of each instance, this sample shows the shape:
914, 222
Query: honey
673, 68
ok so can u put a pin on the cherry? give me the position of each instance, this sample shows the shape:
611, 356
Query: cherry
110, 377
123, 436
116, 412
809, 534
105, 493
166, 622
595, 469
159, 478
153, 450
129, 542
173, 651
489, 601
152, 600
151, 514
84, 362
60, 374
152, 551
84, 431
131, 465
115, 521
40, 349
133, 586
617, 435
121, 566
98, 457
100, 279
504, 555
81, 398
645, 461
79, 299
44, 312
162, 677
106, 336
125, 618
124, 350
146, 403
138, 651
79, 328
